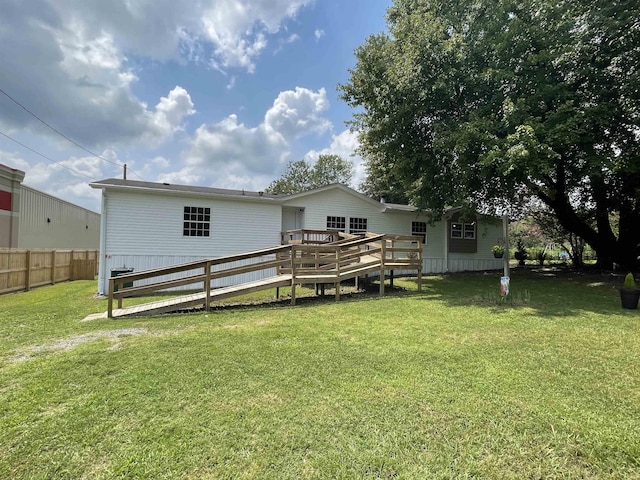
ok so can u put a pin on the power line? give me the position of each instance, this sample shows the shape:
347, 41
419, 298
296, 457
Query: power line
63, 135
44, 156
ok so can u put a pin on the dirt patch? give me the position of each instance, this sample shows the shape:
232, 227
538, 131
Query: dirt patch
65, 344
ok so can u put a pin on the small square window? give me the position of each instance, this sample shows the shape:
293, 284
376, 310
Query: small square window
469, 231
336, 223
419, 229
357, 226
196, 221
456, 230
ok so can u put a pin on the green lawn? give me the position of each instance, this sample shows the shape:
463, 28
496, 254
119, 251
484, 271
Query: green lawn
447, 383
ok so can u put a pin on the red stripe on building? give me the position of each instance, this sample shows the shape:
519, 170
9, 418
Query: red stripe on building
5, 200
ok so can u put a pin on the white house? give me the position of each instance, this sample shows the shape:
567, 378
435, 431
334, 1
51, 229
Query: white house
148, 225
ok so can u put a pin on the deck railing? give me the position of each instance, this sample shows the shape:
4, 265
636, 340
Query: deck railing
308, 256
200, 272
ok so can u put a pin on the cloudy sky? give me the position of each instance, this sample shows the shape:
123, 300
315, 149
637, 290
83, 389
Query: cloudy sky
216, 93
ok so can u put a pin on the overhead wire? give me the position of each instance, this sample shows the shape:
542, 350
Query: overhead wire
44, 156
64, 136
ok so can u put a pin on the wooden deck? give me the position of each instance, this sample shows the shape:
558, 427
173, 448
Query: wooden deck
307, 257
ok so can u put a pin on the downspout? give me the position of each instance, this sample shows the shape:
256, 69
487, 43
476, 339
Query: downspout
102, 267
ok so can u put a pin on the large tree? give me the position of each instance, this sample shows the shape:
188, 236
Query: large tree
300, 176
489, 104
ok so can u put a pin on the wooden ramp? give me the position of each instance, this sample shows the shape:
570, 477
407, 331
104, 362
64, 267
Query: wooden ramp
199, 299
307, 257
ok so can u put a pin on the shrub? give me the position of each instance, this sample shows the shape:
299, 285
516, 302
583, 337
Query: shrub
629, 281
540, 255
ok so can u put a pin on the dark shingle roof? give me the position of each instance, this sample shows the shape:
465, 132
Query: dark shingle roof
138, 185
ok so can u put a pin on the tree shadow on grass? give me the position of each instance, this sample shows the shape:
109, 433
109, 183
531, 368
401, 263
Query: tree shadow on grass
550, 292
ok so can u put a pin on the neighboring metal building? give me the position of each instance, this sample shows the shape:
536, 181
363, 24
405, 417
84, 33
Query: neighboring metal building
32, 219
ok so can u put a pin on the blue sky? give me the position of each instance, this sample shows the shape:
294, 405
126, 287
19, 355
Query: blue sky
206, 92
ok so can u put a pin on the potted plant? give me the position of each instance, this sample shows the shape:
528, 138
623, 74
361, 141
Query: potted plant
498, 251
629, 294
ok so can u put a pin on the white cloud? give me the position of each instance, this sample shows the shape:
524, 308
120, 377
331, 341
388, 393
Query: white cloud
76, 78
235, 31
318, 33
228, 142
68, 60
344, 144
172, 110
232, 155
298, 112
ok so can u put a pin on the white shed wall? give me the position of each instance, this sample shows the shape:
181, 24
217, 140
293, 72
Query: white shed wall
144, 231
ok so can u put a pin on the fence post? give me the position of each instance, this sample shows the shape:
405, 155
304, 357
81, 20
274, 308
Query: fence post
27, 273
72, 268
53, 267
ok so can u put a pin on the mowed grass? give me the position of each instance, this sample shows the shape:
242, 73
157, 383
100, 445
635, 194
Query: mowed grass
447, 383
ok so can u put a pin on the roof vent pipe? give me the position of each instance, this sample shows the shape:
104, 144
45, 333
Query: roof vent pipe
381, 199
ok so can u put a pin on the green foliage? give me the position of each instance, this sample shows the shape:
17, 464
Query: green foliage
301, 176
498, 249
539, 254
441, 384
629, 281
493, 104
521, 253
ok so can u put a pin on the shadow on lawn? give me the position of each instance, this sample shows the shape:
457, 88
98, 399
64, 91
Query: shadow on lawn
551, 292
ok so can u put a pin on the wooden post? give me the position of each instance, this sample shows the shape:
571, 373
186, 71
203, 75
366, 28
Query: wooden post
338, 250
293, 276
53, 267
419, 266
72, 269
27, 273
207, 286
383, 255
110, 298
505, 233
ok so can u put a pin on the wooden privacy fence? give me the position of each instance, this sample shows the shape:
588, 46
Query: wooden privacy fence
21, 270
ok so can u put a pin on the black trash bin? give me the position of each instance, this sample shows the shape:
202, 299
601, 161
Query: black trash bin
116, 272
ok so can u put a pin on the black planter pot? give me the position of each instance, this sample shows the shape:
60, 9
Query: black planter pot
629, 297
497, 255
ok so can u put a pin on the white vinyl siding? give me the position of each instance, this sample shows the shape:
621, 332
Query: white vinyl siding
141, 223
146, 230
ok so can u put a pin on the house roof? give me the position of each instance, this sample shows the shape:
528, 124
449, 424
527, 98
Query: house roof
120, 184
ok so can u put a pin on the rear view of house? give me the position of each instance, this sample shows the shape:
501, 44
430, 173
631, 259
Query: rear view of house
147, 225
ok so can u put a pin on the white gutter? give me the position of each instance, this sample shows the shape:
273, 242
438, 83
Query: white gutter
102, 260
